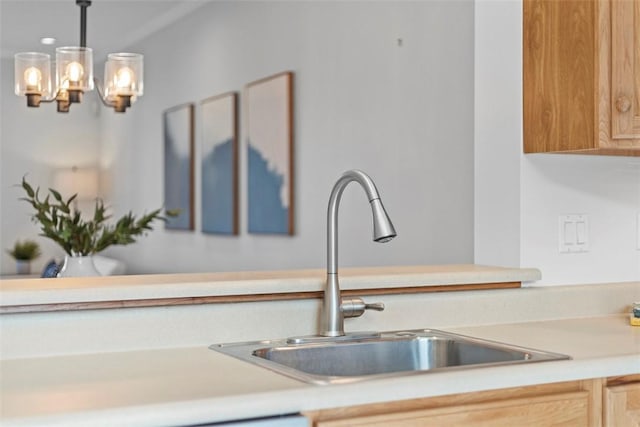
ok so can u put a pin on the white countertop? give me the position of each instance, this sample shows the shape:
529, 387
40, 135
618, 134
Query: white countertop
195, 385
145, 287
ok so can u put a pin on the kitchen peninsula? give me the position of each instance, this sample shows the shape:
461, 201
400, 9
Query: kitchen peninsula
150, 365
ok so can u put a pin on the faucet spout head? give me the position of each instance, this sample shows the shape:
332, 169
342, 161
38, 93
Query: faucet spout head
383, 230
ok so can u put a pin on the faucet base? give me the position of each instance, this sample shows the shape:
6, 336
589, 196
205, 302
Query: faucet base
352, 336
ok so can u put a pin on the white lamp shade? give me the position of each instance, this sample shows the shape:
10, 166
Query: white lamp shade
80, 181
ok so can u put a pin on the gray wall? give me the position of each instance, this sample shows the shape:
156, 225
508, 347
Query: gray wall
404, 114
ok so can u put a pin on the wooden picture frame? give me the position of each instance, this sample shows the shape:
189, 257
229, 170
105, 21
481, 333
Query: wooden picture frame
219, 164
178, 134
270, 162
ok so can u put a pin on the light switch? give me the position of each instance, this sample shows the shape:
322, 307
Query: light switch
581, 233
570, 233
638, 232
573, 233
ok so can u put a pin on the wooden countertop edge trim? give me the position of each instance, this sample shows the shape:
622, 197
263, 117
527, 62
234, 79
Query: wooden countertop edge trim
227, 299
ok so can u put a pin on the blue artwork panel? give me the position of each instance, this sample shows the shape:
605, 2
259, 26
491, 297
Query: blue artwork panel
270, 148
178, 165
219, 165
217, 190
267, 212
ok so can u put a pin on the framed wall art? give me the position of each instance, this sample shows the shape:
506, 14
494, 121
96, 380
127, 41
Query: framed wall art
178, 123
269, 115
219, 164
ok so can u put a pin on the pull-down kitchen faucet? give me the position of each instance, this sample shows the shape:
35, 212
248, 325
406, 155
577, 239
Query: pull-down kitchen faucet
334, 309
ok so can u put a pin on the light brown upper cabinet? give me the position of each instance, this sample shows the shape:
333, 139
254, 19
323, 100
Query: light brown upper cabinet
581, 74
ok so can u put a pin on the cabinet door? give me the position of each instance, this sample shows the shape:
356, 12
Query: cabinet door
625, 69
622, 406
565, 409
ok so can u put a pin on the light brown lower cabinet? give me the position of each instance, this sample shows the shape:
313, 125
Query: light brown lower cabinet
622, 405
588, 403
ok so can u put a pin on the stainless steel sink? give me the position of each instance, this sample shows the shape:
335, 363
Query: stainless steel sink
348, 359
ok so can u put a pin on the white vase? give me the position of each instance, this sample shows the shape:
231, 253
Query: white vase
78, 266
23, 266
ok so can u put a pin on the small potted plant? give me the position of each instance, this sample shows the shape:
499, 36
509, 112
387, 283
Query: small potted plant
81, 238
24, 252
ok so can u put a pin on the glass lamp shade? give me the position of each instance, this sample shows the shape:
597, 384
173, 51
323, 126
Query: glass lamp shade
32, 74
74, 68
123, 76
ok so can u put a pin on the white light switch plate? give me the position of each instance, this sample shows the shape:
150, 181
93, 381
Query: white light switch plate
573, 233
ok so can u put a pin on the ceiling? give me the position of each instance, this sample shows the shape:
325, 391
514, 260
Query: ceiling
112, 25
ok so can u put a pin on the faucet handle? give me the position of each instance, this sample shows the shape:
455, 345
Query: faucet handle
355, 307
377, 306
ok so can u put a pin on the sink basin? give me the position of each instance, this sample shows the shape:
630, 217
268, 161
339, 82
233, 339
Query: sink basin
385, 354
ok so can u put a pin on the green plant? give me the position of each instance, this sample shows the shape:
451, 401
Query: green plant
79, 237
25, 251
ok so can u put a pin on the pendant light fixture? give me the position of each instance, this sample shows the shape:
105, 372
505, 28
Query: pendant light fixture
74, 74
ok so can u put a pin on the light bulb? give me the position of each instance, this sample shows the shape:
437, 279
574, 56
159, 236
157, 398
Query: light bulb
74, 71
33, 77
124, 78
